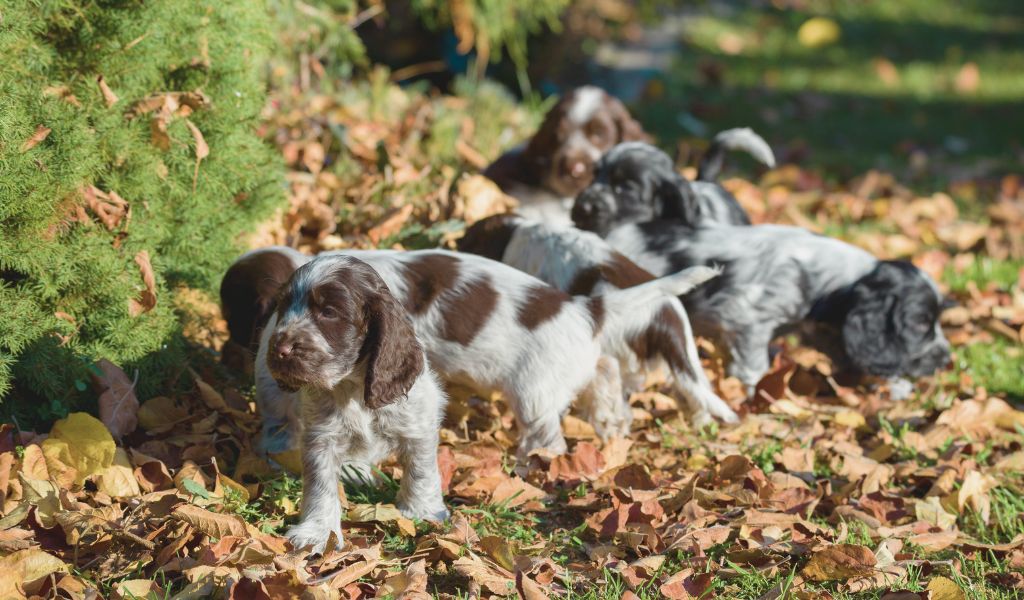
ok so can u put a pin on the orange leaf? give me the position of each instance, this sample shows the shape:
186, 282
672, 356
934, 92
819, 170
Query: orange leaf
40, 135
147, 299
108, 94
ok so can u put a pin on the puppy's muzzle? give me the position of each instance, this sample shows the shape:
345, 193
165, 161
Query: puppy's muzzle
290, 358
593, 208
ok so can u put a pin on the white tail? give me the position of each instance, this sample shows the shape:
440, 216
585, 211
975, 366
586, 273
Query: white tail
740, 138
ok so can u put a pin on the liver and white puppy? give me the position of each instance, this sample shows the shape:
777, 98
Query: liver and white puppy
776, 277
581, 263
490, 327
558, 161
340, 340
636, 182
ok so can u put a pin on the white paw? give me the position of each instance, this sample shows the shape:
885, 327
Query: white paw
429, 512
312, 535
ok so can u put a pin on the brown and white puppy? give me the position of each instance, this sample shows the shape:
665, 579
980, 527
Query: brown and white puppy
341, 342
581, 263
558, 161
490, 327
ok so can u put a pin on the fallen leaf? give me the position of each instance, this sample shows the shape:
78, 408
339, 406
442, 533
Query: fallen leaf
968, 78
839, 563
941, 588
118, 480
118, 404
367, 513
108, 94
391, 225
26, 567
213, 524
202, 150
818, 32
82, 442
37, 137
147, 297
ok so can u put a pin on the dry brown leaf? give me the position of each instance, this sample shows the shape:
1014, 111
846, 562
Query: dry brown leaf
391, 225
839, 563
202, 150
147, 297
213, 524
108, 94
40, 134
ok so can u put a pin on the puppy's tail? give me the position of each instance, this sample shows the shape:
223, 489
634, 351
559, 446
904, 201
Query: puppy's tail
741, 138
622, 309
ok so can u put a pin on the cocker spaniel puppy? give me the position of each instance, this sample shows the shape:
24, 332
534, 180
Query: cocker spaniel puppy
340, 341
493, 328
581, 263
558, 161
776, 277
636, 182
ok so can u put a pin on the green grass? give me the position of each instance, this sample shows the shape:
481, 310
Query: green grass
832, 102
984, 271
998, 367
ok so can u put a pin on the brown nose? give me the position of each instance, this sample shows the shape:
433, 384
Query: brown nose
284, 348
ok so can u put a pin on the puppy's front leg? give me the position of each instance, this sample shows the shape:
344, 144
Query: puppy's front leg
321, 506
750, 361
419, 496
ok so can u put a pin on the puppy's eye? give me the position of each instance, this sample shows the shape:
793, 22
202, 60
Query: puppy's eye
329, 312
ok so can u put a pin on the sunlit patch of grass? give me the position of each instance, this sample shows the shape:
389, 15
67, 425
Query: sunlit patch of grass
763, 455
983, 271
380, 489
1006, 518
503, 521
997, 366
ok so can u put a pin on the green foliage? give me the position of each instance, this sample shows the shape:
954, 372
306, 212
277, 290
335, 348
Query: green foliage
56, 256
491, 26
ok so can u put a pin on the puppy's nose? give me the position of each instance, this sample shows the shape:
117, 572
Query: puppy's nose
284, 348
576, 168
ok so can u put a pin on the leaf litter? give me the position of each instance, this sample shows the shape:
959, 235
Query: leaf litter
830, 486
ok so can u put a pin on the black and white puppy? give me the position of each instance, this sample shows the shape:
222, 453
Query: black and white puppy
581, 263
777, 277
635, 182
340, 339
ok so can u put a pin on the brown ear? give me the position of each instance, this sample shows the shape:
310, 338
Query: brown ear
629, 129
394, 358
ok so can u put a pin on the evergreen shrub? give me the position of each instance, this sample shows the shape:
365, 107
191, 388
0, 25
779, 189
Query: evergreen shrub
130, 163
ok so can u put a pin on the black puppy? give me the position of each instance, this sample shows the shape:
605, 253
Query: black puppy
635, 182
777, 277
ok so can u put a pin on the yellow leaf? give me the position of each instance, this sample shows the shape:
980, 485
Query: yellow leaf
81, 442
941, 588
137, 588
118, 480
850, 418
60, 473
33, 463
290, 460
24, 567
43, 495
382, 513
160, 411
818, 32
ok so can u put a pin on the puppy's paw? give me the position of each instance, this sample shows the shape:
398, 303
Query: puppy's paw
426, 512
312, 535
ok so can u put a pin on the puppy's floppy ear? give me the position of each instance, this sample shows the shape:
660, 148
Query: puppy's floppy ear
628, 128
675, 197
870, 335
394, 358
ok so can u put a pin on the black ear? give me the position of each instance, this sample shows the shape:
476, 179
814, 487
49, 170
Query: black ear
676, 199
870, 330
394, 358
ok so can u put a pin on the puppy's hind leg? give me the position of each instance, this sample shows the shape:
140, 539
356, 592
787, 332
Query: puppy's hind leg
603, 402
539, 417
